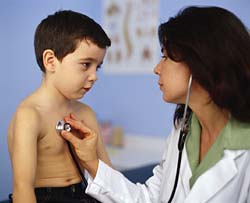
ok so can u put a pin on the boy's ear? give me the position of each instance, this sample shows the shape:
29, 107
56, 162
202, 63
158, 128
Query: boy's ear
49, 60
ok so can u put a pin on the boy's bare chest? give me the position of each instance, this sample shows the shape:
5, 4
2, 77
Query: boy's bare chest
50, 141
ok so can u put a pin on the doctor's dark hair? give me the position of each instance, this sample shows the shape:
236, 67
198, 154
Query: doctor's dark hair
62, 31
215, 45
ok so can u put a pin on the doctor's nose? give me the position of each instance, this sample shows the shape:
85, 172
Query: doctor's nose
157, 69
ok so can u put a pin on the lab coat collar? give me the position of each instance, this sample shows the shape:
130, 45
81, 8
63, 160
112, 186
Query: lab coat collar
214, 179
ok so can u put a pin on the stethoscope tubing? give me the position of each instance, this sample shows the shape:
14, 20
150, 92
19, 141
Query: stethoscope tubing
182, 138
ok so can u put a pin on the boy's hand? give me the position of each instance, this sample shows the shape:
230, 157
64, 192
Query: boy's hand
84, 141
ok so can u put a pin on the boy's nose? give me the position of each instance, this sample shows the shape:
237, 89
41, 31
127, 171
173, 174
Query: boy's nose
93, 77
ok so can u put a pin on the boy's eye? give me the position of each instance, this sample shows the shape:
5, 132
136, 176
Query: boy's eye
86, 65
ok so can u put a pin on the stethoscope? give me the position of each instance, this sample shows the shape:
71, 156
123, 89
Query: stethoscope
182, 137
61, 125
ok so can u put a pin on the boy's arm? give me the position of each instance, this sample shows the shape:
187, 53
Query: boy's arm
24, 154
93, 124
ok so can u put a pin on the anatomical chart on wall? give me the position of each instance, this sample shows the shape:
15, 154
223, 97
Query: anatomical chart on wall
132, 26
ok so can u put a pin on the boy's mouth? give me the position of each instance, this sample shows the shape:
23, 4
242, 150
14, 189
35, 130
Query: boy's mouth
87, 88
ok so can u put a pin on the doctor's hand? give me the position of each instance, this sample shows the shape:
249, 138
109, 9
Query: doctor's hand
84, 141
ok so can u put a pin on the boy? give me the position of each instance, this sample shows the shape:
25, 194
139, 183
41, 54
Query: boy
69, 48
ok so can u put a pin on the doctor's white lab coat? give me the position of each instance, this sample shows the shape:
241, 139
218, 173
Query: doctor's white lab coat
227, 181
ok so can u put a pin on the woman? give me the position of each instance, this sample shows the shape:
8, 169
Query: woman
210, 47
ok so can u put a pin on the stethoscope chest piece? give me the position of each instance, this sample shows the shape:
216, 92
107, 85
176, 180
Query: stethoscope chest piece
61, 125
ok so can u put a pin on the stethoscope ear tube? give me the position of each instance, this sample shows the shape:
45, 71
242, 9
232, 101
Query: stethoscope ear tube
184, 122
182, 138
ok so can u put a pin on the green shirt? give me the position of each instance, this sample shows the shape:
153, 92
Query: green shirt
234, 136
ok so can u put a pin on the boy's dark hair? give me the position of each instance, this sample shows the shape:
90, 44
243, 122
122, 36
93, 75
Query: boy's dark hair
215, 45
62, 31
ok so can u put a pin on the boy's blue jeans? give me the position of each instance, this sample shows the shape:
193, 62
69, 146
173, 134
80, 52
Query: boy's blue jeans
70, 194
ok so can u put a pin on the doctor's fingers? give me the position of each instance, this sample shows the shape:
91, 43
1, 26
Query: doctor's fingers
80, 126
72, 116
81, 143
75, 141
85, 148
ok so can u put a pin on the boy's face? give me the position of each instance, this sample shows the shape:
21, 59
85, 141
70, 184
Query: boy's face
76, 73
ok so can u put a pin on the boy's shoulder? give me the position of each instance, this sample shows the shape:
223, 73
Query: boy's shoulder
26, 111
26, 117
28, 106
83, 109
85, 113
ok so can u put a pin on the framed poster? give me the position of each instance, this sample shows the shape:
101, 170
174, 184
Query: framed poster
132, 27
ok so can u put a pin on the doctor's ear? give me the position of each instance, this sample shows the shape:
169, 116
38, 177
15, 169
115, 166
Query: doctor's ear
49, 60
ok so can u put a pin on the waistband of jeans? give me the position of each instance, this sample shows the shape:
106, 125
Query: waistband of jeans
78, 187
